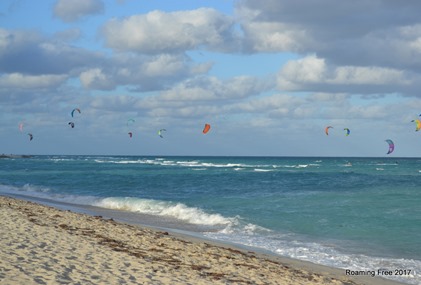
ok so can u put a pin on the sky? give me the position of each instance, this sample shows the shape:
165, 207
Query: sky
268, 76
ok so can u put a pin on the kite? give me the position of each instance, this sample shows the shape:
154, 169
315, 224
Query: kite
327, 130
130, 122
206, 128
160, 132
21, 127
30, 136
347, 131
72, 124
75, 109
391, 146
418, 124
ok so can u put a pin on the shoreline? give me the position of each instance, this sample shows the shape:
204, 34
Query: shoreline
47, 244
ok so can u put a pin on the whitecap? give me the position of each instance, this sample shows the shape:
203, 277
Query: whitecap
179, 211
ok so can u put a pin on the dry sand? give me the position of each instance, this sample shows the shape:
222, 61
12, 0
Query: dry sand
45, 245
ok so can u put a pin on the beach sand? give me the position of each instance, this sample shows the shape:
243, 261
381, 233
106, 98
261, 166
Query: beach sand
45, 245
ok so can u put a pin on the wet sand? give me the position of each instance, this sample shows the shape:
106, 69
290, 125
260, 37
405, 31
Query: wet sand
45, 245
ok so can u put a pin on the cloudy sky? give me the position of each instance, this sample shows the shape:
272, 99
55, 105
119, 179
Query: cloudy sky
268, 75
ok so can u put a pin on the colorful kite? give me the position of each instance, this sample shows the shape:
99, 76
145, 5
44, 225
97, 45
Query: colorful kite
130, 122
417, 124
347, 131
160, 132
327, 130
75, 109
206, 128
391, 146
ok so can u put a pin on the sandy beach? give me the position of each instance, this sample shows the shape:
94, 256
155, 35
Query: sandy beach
45, 245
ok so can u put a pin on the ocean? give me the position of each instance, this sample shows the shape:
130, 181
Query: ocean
359, 214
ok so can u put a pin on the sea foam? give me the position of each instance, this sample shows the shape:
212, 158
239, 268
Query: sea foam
179, 211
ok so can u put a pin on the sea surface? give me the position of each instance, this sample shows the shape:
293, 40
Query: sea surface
361, 214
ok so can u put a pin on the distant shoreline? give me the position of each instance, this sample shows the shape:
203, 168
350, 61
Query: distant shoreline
15, 156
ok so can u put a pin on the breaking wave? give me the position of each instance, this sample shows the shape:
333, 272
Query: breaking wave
178, 211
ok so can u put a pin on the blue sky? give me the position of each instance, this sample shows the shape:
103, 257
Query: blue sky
268, 76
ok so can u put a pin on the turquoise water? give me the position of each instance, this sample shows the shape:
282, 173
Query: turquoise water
352, 213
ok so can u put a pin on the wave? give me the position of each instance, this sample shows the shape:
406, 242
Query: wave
329, 255
35, 191
178, 211
204, 165
27, 189
290, 245
174, 210
181, 163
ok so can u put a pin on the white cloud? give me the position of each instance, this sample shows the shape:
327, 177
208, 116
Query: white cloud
314, 73
21, 81
271, 37
96, 78
310, 69
281, 104
28, 52
326, 97
164, 65
115, 102
214, 89
141, 73
200, 96
361, 33
158, 32
367, 75
72, 10
373, 111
